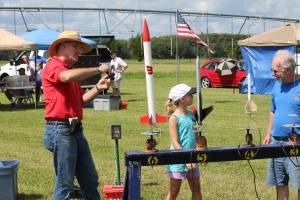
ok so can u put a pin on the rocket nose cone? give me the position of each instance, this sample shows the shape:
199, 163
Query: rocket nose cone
146, 35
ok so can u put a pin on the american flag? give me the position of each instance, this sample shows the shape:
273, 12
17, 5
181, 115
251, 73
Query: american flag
185, 31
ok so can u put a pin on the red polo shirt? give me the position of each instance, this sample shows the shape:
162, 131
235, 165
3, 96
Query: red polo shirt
63, 100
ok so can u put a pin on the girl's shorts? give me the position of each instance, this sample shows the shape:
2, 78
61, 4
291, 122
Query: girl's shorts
184, 175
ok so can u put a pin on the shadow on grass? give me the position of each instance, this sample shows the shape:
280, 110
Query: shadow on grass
19, 107
135, 100
29, 196
150, 184
226, 101
127, 93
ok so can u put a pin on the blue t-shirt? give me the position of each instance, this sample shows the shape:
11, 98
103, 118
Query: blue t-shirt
285, 104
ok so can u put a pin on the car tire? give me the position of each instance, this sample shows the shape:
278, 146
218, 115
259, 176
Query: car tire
205, 82
3, 76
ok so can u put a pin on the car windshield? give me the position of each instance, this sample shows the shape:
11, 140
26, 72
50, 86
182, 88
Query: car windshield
241, 66
211, 65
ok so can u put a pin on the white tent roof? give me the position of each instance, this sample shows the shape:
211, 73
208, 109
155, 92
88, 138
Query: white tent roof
288, 34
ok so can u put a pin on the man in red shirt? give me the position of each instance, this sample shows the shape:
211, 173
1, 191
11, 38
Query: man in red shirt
64, 99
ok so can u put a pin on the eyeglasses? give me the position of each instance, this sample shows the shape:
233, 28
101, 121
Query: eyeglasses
275, 71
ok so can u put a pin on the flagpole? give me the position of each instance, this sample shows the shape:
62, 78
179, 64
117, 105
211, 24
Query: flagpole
177, 59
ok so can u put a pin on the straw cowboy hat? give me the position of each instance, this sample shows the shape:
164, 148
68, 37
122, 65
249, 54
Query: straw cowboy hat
68, 36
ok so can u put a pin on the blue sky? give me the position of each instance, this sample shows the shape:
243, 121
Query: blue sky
88, 23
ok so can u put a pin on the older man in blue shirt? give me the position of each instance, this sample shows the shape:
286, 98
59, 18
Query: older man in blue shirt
285, 109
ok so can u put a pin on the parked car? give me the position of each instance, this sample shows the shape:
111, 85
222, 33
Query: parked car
210, 78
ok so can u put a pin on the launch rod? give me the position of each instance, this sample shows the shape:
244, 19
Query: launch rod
199, 96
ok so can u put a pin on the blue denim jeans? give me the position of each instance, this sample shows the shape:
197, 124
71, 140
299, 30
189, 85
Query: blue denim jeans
72, 157
281, 171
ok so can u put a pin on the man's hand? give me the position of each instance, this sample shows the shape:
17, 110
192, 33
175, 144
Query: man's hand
267, 138
103, 68
104, 82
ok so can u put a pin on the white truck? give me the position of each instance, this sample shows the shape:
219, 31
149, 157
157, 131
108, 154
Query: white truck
10, 69
101, 54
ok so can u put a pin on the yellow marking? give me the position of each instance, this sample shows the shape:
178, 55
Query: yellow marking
249, 155
294, 152
202, 157
153, 160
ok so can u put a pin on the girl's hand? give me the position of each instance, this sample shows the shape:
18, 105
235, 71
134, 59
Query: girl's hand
191, 166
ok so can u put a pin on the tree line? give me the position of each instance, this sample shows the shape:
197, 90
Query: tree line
164, 47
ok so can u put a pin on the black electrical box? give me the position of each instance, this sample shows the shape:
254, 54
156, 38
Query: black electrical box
116, 131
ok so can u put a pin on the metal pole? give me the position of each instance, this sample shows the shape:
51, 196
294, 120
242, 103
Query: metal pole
207, 37
177, 59
27, 29
99, 15
232, 37
118, 181
141, 33
62, 17
35, 75
104, 14
199, 102
171, 39
15, 22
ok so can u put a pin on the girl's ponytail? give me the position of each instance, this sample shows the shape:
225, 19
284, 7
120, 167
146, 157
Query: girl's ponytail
169, 108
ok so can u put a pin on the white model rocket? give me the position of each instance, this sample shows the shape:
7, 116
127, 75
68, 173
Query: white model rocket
152, 118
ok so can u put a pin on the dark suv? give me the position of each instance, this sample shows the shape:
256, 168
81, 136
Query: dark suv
98, 55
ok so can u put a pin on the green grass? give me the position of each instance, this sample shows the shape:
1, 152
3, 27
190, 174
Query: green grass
22, 130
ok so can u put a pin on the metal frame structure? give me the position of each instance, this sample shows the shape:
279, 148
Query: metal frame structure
129, 12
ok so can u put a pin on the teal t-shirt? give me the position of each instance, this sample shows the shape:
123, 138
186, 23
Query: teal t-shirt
186, 138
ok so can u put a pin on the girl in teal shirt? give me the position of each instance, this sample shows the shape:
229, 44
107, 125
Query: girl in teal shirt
182, 135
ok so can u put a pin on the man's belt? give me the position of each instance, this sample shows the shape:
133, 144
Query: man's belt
57, 122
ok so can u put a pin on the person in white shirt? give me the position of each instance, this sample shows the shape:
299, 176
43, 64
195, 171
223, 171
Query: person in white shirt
118, 66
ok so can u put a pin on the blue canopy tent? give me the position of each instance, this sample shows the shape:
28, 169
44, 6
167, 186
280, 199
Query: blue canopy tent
44, 37
258, 51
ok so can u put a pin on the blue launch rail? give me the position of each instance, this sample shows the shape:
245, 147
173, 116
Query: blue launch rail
135, 159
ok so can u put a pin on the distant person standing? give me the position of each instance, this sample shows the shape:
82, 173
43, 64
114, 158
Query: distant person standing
38, 80
118, 66
26, 61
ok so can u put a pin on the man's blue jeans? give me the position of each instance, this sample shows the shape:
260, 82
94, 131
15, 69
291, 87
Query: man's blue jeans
72, 157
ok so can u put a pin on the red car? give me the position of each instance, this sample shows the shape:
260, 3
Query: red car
210, 78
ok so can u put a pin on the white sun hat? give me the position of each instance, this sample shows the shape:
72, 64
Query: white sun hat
180, 90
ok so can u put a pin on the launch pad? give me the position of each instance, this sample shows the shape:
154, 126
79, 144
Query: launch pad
134, 160
151, 142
